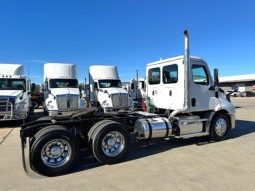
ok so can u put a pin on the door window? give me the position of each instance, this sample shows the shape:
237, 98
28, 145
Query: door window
154, 76
170, 74
199, 75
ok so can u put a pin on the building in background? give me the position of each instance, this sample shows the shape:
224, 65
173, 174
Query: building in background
245, 83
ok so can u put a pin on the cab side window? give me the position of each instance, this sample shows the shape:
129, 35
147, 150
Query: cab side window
170, 74
154, 76
199, 75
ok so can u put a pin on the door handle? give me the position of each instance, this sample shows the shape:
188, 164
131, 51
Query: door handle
153, 92
193, 102
170, 93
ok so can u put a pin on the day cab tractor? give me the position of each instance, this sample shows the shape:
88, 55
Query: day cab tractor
183, 101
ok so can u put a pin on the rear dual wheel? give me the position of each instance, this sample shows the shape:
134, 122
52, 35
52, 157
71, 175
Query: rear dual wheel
109, 141
54, 151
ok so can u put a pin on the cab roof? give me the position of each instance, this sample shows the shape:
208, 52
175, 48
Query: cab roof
194, 58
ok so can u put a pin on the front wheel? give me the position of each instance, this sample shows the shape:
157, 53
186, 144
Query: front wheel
219, 127
110, 142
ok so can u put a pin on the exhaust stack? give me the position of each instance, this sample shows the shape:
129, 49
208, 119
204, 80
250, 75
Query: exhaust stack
186, 47
186, 62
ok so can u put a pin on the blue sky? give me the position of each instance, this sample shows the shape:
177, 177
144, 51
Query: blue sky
126, 33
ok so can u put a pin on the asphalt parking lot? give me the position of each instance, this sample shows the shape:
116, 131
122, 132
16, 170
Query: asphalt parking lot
192, 164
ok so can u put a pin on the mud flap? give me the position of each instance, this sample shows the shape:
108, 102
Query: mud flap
25, 154
25, 150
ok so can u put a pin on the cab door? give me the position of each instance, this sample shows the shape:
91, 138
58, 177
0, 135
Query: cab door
172, 88
154, 75
200, 83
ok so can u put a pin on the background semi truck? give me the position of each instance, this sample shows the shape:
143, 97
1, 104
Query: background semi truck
137, 89
15, 93
193, 106
37, 97
106, 89
61, 92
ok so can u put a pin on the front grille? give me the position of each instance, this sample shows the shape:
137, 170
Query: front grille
6, 104
120, 100
62, 102
73, 101
67, 102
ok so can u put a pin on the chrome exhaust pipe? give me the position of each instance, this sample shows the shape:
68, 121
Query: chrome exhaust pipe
186, 47
186, 69
186, 62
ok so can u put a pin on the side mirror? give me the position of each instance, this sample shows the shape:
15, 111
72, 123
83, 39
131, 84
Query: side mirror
216, 76
216, 82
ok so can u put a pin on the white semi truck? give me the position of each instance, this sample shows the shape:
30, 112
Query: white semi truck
15, 93
180, 88
61, 92
106, 89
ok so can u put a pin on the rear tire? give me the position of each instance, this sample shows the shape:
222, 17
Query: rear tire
219, 127
54, 151
110, 142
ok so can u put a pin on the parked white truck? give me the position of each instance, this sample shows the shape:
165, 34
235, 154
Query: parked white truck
137, 90
61, 92
15, 93
181, 88
106, 89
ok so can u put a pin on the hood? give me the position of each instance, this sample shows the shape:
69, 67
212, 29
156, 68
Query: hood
115, 90
61, 91
10, 92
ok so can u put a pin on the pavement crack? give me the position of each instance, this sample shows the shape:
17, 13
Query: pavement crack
5, 137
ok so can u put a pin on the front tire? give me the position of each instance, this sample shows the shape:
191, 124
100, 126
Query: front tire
54, 151
219, 127
110, 142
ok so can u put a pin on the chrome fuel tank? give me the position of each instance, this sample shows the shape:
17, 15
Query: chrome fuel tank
153, 128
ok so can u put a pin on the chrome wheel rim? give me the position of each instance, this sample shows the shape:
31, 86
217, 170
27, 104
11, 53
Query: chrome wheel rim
113, 143
221, 127
56, 153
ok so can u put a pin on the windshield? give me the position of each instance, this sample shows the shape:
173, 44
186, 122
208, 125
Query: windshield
12, 84
109, 84
63, 83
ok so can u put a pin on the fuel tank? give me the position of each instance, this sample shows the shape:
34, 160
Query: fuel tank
153, 128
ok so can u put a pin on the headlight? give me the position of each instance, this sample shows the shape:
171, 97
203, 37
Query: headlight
50, 105
105, 103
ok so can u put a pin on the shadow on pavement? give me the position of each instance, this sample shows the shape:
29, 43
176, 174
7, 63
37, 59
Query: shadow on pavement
144, 149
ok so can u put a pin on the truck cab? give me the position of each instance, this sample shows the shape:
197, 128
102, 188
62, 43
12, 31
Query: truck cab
61, 92
15, 93
106, 89
183, 86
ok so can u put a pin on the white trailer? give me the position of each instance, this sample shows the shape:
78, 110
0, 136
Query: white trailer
15, 93
181, 88
106, 89
61, 92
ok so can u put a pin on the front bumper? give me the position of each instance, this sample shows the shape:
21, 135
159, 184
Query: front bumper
4, 116
119, 109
